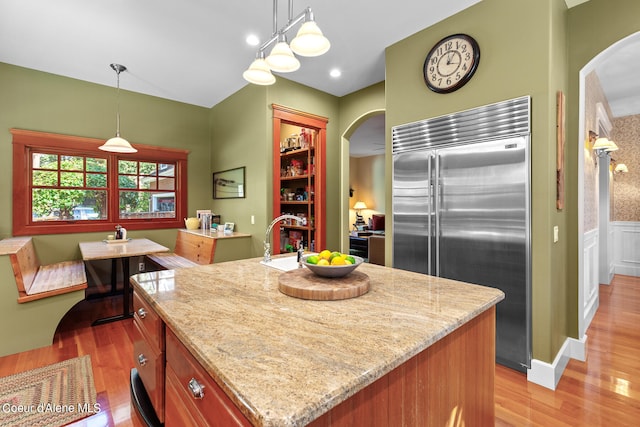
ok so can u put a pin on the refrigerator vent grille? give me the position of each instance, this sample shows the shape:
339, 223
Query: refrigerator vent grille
503, 119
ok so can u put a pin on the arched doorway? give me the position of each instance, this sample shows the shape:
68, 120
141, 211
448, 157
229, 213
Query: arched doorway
361, 129
594, 178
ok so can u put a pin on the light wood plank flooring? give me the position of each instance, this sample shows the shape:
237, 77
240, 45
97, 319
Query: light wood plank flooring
603, 391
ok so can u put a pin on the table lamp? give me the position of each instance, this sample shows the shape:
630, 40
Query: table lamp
359, 220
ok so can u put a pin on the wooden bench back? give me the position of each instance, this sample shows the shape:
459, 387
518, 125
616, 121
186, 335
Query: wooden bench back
199, 249
25, 265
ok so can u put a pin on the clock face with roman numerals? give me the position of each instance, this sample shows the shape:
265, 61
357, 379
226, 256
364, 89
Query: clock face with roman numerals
451, 63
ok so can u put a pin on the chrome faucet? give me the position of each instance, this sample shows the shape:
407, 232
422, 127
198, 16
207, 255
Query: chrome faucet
267, 237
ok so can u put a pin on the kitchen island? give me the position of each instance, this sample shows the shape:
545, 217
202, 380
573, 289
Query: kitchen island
414, 350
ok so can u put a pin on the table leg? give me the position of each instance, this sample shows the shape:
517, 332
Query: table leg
126, 290
114, 282
114, 276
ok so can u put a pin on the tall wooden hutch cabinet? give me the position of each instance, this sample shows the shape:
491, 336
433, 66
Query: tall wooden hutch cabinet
299, 156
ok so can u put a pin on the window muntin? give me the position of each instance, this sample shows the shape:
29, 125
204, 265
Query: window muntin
76, 169
138, 185
68, 187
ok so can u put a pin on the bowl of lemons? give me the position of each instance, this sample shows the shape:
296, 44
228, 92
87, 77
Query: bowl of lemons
331, 263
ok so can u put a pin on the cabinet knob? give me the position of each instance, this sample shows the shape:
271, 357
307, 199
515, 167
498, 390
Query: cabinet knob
142, 313
197, 389
142, 360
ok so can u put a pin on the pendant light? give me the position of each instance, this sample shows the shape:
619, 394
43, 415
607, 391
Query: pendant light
308, 42
118, 144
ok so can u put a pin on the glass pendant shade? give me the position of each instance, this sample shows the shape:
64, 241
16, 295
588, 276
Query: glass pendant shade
281, 59
259, 73
612, 147
604, 144
117, 145
621, 168
310, 41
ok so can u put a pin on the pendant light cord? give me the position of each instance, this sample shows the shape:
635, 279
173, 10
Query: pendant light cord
118, 105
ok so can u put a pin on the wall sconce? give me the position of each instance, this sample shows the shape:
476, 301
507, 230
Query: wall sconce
621, 168
601, 146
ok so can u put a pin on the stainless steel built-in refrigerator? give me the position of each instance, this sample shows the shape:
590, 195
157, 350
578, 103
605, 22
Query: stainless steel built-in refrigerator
461, 209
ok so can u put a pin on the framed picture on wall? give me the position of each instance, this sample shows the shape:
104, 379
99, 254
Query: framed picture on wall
229, 184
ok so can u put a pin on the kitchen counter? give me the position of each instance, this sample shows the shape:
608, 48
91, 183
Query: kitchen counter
214, 234
285, 361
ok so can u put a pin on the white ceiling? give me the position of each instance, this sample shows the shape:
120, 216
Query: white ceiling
194, 51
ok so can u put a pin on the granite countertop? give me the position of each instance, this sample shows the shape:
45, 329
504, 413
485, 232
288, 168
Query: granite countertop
285, 361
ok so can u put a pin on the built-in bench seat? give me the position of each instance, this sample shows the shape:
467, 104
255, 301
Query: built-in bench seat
49, 292
192, 249
35, 281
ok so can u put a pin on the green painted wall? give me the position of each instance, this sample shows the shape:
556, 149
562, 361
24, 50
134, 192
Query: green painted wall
522, 53
240, 137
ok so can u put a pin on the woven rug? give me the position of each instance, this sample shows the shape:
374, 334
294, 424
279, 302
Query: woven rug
54, 395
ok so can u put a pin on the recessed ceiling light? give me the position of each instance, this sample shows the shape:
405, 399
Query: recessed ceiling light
335, 73
252, 40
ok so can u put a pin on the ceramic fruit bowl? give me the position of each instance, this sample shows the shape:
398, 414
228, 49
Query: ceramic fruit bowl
332, 270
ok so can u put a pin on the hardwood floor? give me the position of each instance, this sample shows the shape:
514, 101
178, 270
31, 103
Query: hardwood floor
111, 349
603, 391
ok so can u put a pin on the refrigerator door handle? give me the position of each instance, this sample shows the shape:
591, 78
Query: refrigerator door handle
436, 200
429, 213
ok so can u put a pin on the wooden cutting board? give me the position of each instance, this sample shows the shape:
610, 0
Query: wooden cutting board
303, 283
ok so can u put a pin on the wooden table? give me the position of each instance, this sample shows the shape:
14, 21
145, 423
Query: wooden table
92, 251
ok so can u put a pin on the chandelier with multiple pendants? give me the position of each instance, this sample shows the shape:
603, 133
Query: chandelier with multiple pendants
309, 41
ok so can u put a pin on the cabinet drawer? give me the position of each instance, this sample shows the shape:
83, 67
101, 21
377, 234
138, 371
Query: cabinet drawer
180, 410
149, 321
150, 365
214, 405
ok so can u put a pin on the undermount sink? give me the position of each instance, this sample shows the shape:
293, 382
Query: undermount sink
284, 264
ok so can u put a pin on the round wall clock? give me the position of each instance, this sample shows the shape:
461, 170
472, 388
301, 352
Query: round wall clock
450, 64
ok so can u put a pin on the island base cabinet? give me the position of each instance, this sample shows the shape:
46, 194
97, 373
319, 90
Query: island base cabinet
190, 389
451, 383
148, 352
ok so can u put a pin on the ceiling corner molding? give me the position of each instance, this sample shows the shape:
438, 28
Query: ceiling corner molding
573, 3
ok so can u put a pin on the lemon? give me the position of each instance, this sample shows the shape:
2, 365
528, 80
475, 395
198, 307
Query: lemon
346, 261
323, 261
326, 254
313, 259
335, 254
338, 260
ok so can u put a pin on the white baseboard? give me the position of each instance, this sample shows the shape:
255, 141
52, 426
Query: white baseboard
548, 374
